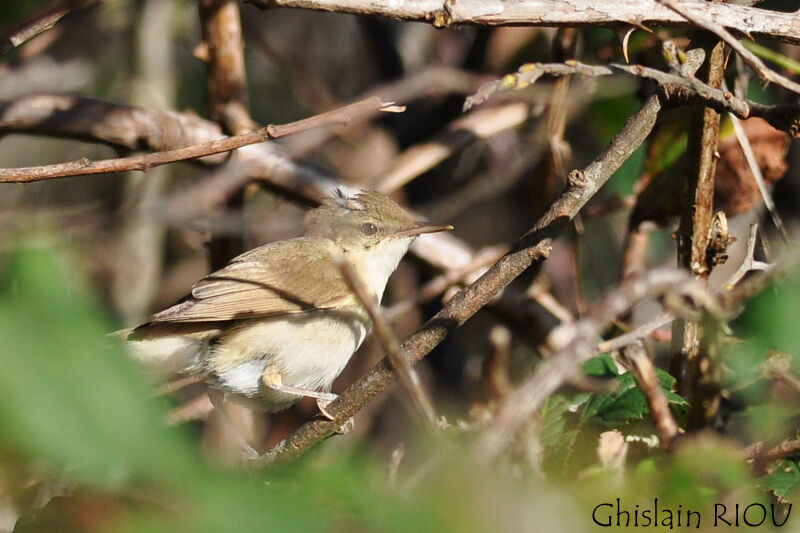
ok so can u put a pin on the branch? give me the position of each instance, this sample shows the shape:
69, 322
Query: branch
676, 87
691, 364
699, 19
639, 13
574, 344
222, 50
39, 23
645, 374
145, 162
749, 263
135, 128
530, 250
750, 157
405, 372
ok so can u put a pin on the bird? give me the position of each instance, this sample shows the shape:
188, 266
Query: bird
279, 322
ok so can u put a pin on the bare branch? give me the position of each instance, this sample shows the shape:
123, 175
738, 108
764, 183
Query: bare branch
750, 157
406, 374
40, 22
574, 344
701, 20
145, 162
639, 13
676, 86
638, 333
645, 374
749, 263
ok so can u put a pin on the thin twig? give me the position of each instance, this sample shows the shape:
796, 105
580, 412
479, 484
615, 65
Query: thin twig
40, 22
640, 332
679, 85
749, 263
145, 162
645, 374
406, 374
764, 72
574, 344
744, 142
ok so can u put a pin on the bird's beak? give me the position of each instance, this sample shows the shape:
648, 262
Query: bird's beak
422, 226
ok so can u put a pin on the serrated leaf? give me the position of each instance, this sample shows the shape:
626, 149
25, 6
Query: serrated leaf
629, 403
784, 483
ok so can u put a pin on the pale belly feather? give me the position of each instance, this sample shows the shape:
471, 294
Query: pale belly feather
308, 351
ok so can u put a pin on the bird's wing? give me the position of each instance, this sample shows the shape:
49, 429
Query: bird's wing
286, 277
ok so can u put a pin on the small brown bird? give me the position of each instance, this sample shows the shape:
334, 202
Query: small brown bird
279, 322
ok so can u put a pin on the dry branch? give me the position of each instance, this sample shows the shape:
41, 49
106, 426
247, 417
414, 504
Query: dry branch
406, 374
40, 22
145, 162
637, 13
645, 374
575, 344
695, 16
678, 87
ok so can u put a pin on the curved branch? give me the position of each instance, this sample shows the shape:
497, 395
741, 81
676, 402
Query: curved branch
144, 162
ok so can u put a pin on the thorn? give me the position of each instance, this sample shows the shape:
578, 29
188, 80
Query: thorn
625, 40
391, 107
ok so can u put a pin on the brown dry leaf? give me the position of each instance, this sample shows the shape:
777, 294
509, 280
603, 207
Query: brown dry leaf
660, 196
735, 187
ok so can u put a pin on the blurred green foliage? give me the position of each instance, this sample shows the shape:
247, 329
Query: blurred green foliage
71, 403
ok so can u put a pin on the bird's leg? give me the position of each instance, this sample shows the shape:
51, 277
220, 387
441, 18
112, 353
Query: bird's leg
217, 399
273, 380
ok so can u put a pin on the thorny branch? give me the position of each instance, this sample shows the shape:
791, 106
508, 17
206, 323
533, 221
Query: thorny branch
749, 57
620, 13
693, 236
676, 86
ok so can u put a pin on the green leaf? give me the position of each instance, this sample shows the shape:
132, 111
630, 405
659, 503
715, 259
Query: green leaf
601, 366
785, 483
628, 403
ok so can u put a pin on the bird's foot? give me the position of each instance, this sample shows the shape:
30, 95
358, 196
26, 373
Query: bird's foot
275, 382
345, 428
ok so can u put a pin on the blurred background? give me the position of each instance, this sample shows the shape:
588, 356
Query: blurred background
90, 442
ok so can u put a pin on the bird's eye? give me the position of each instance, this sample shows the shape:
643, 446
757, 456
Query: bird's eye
369, 229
